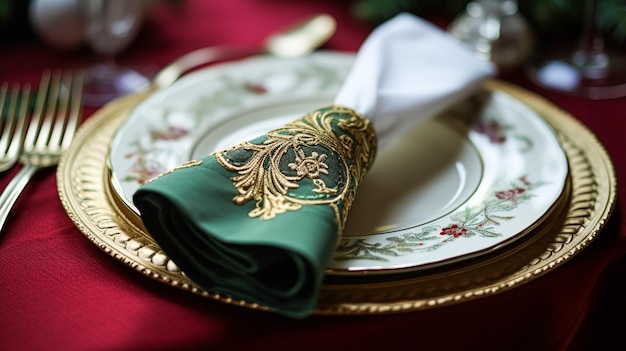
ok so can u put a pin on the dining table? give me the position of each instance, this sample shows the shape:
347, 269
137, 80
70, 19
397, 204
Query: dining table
60, 291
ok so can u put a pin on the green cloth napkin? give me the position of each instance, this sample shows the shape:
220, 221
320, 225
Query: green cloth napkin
260, 221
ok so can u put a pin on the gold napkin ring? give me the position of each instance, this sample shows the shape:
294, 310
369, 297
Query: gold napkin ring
318, 159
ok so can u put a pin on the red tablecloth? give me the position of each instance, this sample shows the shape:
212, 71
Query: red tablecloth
61, 292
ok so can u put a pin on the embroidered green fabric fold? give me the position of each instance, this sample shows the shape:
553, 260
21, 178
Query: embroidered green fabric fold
259, 221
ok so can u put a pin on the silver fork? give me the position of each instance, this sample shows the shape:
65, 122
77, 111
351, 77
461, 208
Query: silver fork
51, 130
13, 108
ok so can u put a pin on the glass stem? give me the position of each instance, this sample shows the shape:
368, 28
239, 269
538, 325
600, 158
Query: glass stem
590, 57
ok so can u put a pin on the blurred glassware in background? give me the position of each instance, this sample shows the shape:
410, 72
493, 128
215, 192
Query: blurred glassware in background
110, 27
496, 31
58, 23
588, 70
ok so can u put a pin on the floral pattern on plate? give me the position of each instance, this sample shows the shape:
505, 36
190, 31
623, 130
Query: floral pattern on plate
481, 220
156, 151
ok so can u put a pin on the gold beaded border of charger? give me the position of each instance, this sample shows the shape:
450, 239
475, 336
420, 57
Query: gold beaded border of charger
83, 179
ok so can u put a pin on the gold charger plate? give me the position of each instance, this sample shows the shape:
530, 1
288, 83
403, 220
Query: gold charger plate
84, 189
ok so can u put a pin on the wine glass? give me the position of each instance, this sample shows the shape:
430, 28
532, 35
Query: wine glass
110, 27
588, 71
495, 31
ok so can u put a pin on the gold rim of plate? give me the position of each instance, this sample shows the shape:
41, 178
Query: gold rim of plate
84, 189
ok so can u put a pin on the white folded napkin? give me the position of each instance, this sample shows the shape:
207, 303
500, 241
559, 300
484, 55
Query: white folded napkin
407, 71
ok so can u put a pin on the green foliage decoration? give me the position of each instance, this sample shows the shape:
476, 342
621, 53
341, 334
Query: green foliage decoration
549, 19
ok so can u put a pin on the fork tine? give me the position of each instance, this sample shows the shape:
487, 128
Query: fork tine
4, 87
60, 117
35, 123
10, 101
75, 113
51, 101
20, 122
5, 110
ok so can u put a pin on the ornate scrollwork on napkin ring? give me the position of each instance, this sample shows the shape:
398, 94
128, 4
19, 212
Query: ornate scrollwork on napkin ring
317, 159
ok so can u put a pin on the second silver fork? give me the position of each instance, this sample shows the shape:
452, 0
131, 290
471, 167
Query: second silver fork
52, 127
13, 112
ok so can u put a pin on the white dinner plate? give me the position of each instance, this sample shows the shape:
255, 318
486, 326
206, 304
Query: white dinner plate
463, 184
